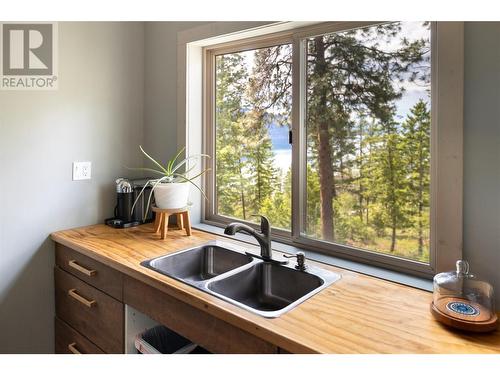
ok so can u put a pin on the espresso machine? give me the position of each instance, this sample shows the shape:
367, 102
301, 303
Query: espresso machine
127, 191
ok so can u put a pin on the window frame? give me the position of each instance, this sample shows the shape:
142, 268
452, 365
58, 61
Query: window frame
210, 214
446, 145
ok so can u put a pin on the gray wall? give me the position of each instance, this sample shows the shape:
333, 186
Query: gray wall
96, 115
482, 151
160, 86
160, 82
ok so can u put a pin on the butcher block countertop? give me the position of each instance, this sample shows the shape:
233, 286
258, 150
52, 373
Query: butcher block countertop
357, 314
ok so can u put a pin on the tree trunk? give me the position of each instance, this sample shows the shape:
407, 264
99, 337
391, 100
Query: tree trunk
392, 197
242, 192
243, 204
326, 179
361, 164
420, 204
341, 172
367, 210
393, 235
259, 181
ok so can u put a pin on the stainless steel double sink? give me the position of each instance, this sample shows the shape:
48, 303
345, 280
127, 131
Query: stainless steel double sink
224, 270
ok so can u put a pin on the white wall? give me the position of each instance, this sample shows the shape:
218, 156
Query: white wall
96, 115
482, 151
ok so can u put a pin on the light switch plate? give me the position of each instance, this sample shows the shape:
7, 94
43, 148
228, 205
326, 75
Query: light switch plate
82, 170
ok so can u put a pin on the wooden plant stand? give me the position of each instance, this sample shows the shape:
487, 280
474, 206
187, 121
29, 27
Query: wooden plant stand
161, 220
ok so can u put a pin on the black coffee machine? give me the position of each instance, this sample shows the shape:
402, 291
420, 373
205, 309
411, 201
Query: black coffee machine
127, 191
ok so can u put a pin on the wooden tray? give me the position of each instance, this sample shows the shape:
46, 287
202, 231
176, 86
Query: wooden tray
481, 320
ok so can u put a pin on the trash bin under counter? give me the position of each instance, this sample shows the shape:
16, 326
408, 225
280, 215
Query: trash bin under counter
161, 340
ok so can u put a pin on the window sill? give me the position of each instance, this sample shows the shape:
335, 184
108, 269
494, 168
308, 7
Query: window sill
381, 273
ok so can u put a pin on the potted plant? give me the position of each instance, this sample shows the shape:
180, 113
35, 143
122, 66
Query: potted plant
171, 190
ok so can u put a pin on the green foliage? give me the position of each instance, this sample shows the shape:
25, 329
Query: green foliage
172, 171
247, 181
368, 171
277, 206
231, 135
416, 147
313, 207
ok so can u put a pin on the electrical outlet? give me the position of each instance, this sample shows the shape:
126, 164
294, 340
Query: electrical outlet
82, 170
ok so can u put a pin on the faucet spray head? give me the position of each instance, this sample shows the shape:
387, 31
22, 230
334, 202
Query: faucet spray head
230, 229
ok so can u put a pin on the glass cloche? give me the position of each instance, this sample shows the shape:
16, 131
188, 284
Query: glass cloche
463, 301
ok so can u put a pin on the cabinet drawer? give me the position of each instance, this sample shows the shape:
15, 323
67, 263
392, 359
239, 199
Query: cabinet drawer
69, 341
91, 312
89, 270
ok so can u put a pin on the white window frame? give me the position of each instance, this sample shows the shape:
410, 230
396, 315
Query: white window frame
446, 135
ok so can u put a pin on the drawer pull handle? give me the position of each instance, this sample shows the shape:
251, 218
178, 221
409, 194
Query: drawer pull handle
72, 348
85, 271
73, 293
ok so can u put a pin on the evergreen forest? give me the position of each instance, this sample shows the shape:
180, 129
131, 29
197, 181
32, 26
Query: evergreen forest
367, 125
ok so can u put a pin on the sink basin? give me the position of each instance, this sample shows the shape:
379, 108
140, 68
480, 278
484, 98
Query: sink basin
198, 264
225, 270
267, 287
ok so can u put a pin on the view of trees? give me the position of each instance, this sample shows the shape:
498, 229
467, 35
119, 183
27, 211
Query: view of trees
368, 137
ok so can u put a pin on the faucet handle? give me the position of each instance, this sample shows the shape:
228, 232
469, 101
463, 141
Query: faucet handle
265, 226
301, 260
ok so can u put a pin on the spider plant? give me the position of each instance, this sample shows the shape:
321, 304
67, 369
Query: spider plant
170, 172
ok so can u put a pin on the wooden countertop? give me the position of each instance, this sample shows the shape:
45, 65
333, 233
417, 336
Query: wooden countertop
357, 314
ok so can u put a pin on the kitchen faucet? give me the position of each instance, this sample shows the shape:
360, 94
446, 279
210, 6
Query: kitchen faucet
263, 237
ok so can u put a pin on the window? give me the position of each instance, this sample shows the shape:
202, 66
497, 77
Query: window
368, 119
331, 132
252, 150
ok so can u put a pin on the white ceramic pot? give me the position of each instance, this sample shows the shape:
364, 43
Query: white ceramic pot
172, 195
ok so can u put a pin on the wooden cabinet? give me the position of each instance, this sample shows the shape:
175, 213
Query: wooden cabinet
93, 313
215, 335
90, 299
88, 305
69, 341
89, 270
394, 319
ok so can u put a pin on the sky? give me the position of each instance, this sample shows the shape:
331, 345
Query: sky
413, 91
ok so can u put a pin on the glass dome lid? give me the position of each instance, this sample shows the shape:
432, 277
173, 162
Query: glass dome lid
462, 300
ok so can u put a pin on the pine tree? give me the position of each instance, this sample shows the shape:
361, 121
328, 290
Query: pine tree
313, 207
277, 207
260, 156
231, 134
389, 177
265, 111
417, 151
349, 73
367, 175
